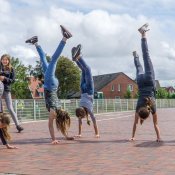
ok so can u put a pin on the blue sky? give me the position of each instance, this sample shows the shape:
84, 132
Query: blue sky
107, 29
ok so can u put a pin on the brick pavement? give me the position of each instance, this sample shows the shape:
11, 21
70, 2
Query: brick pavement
111, 154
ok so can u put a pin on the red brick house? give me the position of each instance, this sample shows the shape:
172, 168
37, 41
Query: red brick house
112, 86
36, 88
115, 85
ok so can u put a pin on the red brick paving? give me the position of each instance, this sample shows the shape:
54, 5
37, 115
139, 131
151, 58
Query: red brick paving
111, 154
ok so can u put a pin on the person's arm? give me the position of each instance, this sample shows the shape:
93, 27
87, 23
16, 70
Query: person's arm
134, 126
79, 127
10, 79
95, 124
156, 127
51, 128
5, 142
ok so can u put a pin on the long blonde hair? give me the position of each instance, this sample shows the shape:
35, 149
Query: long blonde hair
63, 121
9, 66
4, 118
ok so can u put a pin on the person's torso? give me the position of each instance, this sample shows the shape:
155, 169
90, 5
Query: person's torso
7, 74
87, 101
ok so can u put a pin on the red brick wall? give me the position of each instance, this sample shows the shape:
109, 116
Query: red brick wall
124, 81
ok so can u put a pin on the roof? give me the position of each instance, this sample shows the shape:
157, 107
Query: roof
100, 81
157, 84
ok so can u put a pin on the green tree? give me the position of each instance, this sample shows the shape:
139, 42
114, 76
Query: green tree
128, 94
37, 71
69, 77
173, 96
20, 87
162, 93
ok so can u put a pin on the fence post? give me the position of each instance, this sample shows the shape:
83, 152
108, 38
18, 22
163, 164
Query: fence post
76, 103
120, 104
97, 105
106, 105
34, 109
133, 100
16, 109
64, 105
114, 104
127, 104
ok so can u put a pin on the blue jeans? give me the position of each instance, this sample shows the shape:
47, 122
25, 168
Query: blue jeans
87, 83
145, 80
50, 81
8, 100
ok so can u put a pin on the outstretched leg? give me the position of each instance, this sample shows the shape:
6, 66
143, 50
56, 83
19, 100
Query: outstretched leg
149, 70
139, 68
87, 76
87, 84
51, 82
43, 59
34, 41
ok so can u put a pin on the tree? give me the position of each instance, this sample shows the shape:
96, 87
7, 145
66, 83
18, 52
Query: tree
162, 93
20, 87
173, 96
69, 77
37, 71
128, 95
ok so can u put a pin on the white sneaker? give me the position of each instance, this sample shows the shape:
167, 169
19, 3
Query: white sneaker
144, 28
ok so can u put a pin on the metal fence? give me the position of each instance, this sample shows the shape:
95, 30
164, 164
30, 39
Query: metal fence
30, 109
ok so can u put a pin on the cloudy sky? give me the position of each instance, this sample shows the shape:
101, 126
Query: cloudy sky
107, 29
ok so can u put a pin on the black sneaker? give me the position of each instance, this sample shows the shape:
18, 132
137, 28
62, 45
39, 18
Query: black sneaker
135, 54
65, 32
19, 128
144, 28
76, 51
32, 40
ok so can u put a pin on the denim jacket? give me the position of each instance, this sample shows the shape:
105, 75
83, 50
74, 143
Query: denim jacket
9, 78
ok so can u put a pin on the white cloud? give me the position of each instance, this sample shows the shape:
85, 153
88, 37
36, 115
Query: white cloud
26, 55
108, 39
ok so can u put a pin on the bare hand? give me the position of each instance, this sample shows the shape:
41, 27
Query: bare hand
55, 142
158, 140
97, 136
1, 78
132, 139
78, 136
11, 147
70, 138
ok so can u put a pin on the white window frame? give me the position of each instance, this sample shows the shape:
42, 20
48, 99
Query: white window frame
131, 87
119, 87
112, 88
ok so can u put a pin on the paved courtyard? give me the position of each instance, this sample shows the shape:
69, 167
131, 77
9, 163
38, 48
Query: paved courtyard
111, 154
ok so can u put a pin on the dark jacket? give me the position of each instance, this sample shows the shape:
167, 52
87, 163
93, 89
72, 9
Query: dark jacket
9, 78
